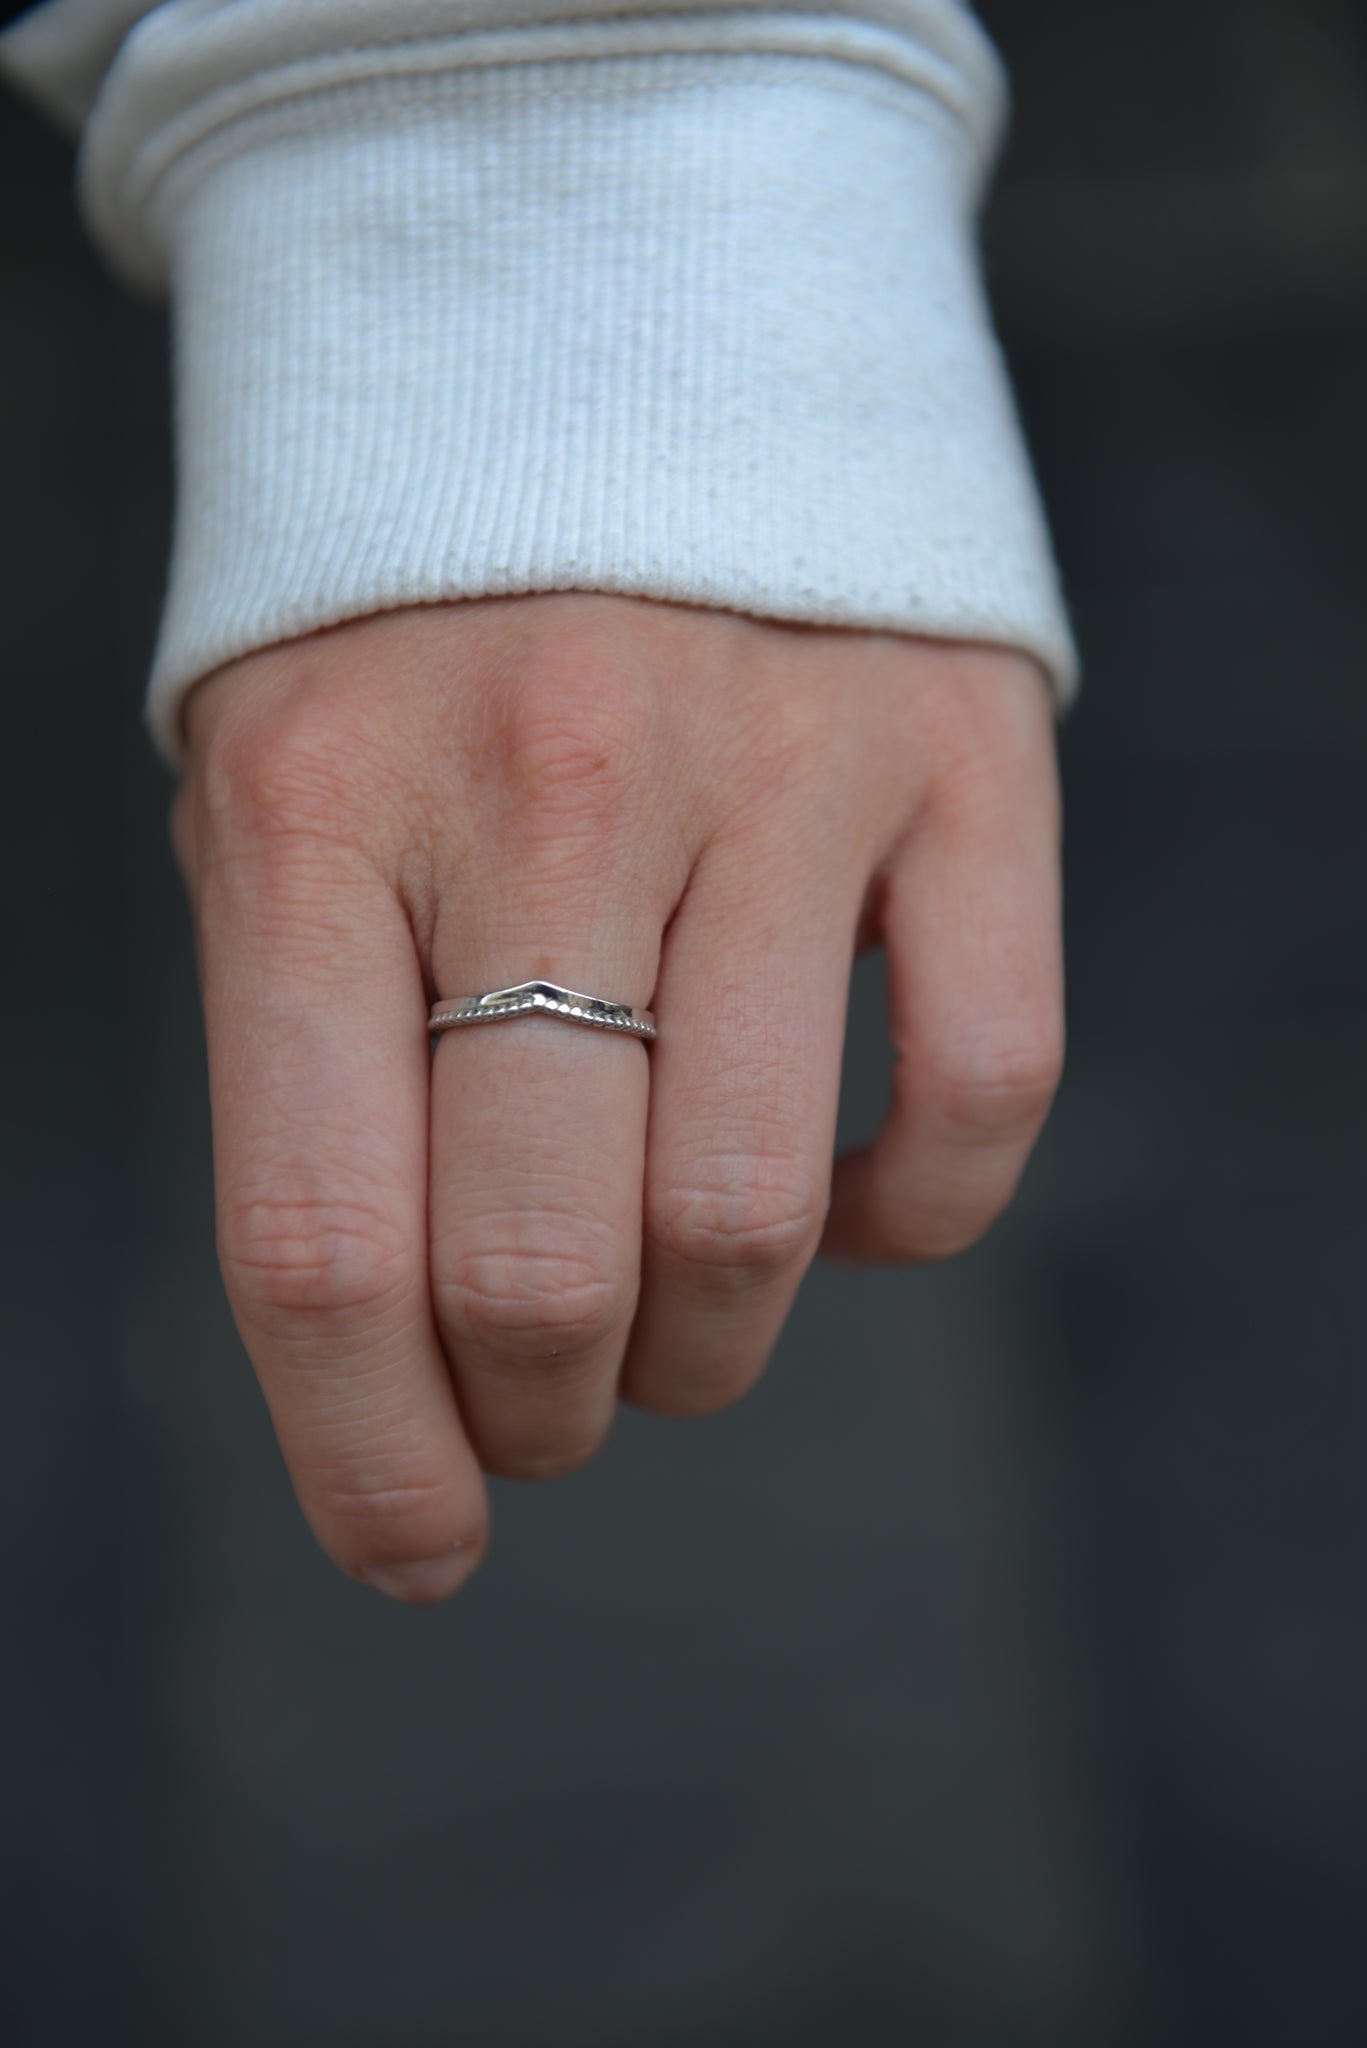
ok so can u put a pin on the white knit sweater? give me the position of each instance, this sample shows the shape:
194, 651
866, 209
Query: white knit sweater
493, 296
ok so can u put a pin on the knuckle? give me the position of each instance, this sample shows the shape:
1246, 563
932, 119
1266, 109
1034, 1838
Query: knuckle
986, 712
794, 745
531, 1305
723, 1223
694, 1396
286, 774
932, 1240
536, 1465
927, 1233
307, 1261
391, 1514
930, 1224
573, 738
998, 1088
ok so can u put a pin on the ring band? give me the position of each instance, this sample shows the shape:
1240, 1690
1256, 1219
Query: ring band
546, 997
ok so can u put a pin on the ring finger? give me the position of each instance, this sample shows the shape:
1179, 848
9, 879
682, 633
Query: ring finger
538, 1139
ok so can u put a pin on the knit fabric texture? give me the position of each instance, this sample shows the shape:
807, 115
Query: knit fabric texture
528, 295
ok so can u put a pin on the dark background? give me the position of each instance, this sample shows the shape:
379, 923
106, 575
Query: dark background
997, 1674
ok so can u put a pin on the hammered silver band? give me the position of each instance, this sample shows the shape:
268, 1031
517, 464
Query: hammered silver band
548, 998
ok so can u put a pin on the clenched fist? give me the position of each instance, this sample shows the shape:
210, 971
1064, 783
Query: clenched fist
449, 1262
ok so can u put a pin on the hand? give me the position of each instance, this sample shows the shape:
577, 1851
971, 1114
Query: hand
442, 1264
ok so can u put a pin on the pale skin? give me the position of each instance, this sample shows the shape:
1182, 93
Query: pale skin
443, 1267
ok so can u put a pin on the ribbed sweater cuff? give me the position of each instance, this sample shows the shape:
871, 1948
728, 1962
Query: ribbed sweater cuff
699, 326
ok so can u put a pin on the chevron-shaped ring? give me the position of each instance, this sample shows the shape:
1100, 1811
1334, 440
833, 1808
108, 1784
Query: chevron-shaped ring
545, 998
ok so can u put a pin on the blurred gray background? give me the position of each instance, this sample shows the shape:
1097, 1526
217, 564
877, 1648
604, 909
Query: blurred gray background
997, 1674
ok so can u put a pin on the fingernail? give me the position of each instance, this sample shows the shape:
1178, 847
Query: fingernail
426, 1580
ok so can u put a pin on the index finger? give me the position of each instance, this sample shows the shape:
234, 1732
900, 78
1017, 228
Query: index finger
319, 1066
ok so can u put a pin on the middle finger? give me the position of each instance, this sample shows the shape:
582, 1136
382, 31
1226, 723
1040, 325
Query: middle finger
746, 1080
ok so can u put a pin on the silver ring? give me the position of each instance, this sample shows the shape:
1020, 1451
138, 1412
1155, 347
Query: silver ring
546, 997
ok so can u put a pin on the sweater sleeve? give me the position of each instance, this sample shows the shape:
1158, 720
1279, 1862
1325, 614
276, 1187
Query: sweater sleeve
478, 297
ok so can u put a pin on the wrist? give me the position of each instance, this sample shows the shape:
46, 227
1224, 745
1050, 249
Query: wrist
465, 330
